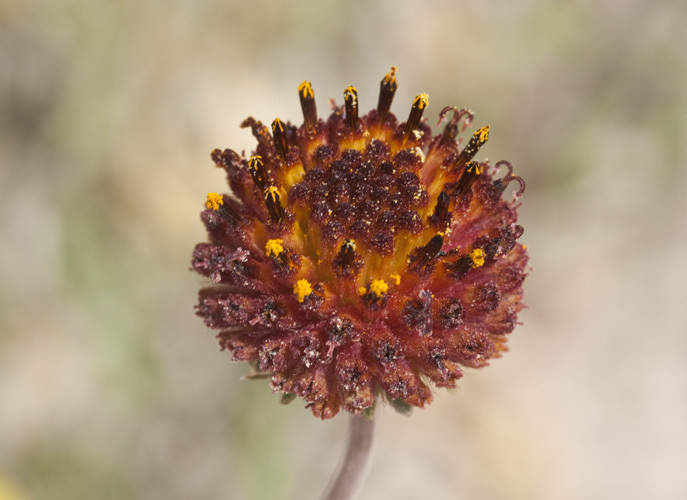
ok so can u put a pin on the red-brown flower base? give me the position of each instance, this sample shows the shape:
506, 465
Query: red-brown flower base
358, 256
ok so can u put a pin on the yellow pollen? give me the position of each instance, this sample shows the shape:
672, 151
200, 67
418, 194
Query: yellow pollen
477, 256
476, 166
305, 88
396, 277
255, 161
302, 289
274, 247
277, 123
273, 192
378, 287
362, 290
482, 134
350, 90
214, 201
421, 101
390, 77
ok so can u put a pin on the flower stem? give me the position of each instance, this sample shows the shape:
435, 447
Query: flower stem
356, 462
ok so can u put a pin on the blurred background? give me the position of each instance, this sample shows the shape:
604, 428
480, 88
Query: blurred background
111, 388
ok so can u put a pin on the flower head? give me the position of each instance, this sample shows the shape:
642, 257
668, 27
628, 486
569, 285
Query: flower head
359, 256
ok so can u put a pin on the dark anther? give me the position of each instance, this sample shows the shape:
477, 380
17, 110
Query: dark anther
442, 217
471, 172
476, 141
423, 256
460, 267
345, 259
279, 134
256, 167
417, 313
452, 129
340, 329
450, 132
229, 214
307, 97
388, 353
273, 204
420, 102
387, 89
351, 100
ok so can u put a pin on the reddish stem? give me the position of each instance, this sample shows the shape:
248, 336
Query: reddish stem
353, 470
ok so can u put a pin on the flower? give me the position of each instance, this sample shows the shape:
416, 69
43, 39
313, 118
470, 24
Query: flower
360, 256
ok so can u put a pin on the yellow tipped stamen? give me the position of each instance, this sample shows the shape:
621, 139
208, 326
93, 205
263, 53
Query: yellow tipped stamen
214, 201
390, 77
482, 134
472, 171
422, 101
274, 248
476, 166
351, 101
273, 204
387, 89
302, 289
378, 287
256, 167
396, 277
477, 256
474, 144
305, 89
307, 98
279, 136
277, 124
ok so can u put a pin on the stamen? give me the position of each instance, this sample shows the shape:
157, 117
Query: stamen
452, 129
471, 172
302, 289
423, 256
346, 256
351, 100
307, 97
442, 217
274, 207
477, 257
387, 89
279, 135
476, 142
214, 201
257, 171
420, 102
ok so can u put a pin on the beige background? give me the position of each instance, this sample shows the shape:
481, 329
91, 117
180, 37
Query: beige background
110, 388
